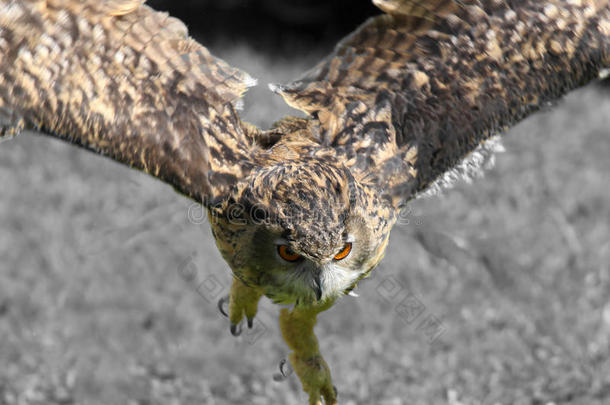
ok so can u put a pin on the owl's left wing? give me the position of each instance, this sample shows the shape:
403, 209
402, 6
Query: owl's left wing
125, 81
410, 94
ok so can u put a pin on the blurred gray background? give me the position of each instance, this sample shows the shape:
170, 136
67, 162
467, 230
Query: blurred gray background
494, 293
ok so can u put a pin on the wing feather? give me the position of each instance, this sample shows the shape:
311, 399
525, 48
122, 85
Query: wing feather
410, 94
125, 81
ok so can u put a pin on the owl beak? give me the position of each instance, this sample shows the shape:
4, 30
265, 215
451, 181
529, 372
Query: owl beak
317, 286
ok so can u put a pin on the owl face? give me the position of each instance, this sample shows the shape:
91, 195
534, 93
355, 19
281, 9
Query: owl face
267, 257
298, 276
309, 233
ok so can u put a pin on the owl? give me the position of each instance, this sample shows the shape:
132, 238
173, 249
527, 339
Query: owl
301, 212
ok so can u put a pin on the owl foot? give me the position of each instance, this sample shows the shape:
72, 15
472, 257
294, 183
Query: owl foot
235, 329
315, 378
285, 373
242, 300
311, 368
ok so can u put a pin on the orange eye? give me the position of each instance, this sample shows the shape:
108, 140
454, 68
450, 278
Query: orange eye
345, 252
288, 254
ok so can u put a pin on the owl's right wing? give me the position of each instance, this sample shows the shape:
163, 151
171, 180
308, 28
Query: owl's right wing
125, 81
410, 94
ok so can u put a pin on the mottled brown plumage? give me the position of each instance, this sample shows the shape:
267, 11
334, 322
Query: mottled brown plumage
404, 99
127, 82
404, 104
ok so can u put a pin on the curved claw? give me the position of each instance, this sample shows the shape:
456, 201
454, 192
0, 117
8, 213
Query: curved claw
236, 329
282, 375
221, 304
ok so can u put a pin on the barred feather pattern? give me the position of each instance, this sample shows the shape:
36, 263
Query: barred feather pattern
406, 103
412, 93
125, 81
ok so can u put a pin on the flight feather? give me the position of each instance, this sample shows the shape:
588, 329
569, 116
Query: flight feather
411, 93
125, 81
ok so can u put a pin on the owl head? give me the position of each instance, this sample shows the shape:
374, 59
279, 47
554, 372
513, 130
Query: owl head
303, 235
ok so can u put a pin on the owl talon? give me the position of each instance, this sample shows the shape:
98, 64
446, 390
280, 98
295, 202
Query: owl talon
283, 375
236, 329
221, 304
243, 301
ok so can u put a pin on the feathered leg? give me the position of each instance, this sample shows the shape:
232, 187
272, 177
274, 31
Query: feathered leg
243, 300
297, 329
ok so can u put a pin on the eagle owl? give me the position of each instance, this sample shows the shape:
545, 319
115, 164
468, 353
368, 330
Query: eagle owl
302, 211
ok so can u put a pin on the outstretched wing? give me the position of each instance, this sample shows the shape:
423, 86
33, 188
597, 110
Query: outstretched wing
125, 81
410, 94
